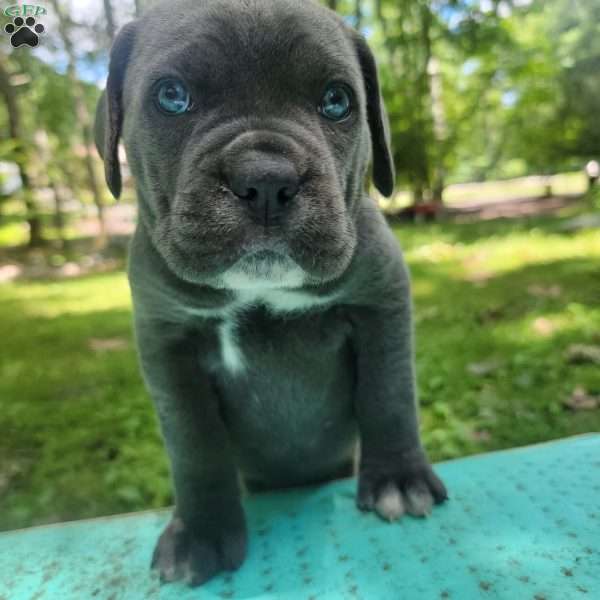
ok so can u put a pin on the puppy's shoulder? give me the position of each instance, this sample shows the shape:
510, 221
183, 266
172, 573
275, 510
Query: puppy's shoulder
378, 271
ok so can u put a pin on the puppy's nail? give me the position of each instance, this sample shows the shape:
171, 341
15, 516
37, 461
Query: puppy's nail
168, 574
390, 505
418, 501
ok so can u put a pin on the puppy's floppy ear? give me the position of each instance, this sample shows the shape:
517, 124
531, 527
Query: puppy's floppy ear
383, 164
109, 112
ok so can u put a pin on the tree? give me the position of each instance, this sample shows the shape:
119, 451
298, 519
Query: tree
20, 153
83, 117
110, 22
405, 48
358, 14
436, 105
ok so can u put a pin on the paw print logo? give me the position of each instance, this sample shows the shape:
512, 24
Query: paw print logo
24, 31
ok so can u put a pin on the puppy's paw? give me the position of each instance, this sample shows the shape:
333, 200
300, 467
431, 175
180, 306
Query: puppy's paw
393, 490
195, 557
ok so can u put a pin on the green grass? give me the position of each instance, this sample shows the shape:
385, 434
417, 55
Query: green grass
515, 297
79, 437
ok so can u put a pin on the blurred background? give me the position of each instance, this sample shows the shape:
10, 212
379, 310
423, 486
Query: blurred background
494, 112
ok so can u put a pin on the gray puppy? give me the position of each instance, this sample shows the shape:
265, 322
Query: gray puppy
272, 303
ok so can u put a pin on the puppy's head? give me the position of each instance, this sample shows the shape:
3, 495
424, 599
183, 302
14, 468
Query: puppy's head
248, 126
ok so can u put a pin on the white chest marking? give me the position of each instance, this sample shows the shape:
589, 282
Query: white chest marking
275, 285
231, 354
276, 300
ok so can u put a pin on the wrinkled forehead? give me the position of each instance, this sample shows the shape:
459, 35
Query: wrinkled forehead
248, 43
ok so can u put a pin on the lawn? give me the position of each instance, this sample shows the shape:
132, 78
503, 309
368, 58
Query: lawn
498, 304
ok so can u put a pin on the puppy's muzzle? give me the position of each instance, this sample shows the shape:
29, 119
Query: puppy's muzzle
267, 184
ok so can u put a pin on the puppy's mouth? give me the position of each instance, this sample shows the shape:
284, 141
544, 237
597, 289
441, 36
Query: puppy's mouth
263, 269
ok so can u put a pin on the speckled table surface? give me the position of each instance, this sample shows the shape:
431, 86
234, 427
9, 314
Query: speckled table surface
521, 524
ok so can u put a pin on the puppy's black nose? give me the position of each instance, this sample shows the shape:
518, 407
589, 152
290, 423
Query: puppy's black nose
267, 186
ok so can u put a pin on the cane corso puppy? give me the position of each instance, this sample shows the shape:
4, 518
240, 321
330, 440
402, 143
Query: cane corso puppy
272, 302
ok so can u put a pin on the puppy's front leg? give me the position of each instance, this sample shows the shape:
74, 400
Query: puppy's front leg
207, 533
395, 476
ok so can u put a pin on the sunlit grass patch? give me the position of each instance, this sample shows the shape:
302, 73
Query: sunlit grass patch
53, 298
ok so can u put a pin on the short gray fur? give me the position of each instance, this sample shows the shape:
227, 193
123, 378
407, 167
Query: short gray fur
269, 350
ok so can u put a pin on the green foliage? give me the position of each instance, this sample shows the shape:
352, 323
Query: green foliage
46, 100
519, 86
473, 93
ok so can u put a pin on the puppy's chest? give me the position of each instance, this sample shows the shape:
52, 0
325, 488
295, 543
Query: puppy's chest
278, 333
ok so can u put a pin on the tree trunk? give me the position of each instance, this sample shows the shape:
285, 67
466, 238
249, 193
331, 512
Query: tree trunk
48, 162
59, 217
417, 46
110, 22
83, 118
357, 14
417, 193
440, 128
20, 154
437, 193
387, 42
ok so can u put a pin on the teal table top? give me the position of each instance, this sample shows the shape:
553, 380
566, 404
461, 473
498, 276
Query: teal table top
520, 525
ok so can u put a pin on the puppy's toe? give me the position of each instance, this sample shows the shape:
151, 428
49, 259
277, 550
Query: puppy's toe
203, 563
390, 505
165, 558
392, 490
419, 500
196, 556
233, 549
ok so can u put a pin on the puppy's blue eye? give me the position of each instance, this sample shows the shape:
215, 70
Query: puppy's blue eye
173, 97
336, 103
